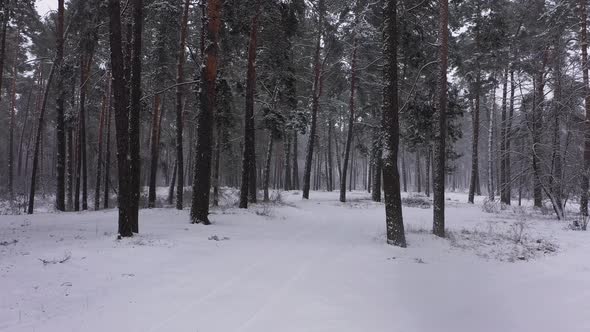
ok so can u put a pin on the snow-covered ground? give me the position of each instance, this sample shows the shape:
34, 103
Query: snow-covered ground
316, 265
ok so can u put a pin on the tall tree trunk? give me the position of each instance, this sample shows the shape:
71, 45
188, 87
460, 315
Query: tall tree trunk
121, 99
330, 158
134, 117
155, 151
350, 107
24, 127
418, 172
179, 104
584, 45
473, 183
390, 118
59, 110
216, 167
247, 193
440, 132
172, 184
295, 173
107, 166
491, 113
207, 98
315, 103
85, 63
287, 164
404, 170
11, 131
99, 159
5, 19
427, 175
267, 166
504, 196
537, 120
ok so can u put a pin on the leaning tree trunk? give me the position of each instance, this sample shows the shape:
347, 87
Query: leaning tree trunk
315, 103
207, 98
179, 108
247, 193
390, 119
440, 132
40, 123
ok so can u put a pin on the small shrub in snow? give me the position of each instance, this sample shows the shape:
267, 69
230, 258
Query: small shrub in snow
491, 206
265, 210
416, 201
580, 224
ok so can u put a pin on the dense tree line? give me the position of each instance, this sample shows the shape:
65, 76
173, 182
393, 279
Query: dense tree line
387, 96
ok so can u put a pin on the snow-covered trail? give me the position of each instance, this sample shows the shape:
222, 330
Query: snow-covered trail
316, 265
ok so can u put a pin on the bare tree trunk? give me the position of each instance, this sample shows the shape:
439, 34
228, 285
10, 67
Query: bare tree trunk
11, 131
287, 150
491, 193
418, 172
134, 116
155, 151
24, 127
504, 196
440, 132
59, 109
5, 18
267, 166
473, 184
41, 122
295, 173
584, 45
329, 158
351, 107
121, 100
247, 193
427, 175
172, 184
99, 159
107, 167
216, 166
207, 98
179, 104
536, 131
390, 119
404, 170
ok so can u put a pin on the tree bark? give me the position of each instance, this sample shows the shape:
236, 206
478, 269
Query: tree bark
315, 103
134, 117
207, 98
120, 93
155, 151
390, 119
179, 106
440, 132
247, 193
99, 159
40, 124
267, 166
584, 46
295, 173
107, 167
59, 110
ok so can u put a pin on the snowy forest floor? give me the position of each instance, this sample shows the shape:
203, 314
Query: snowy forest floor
316, 265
